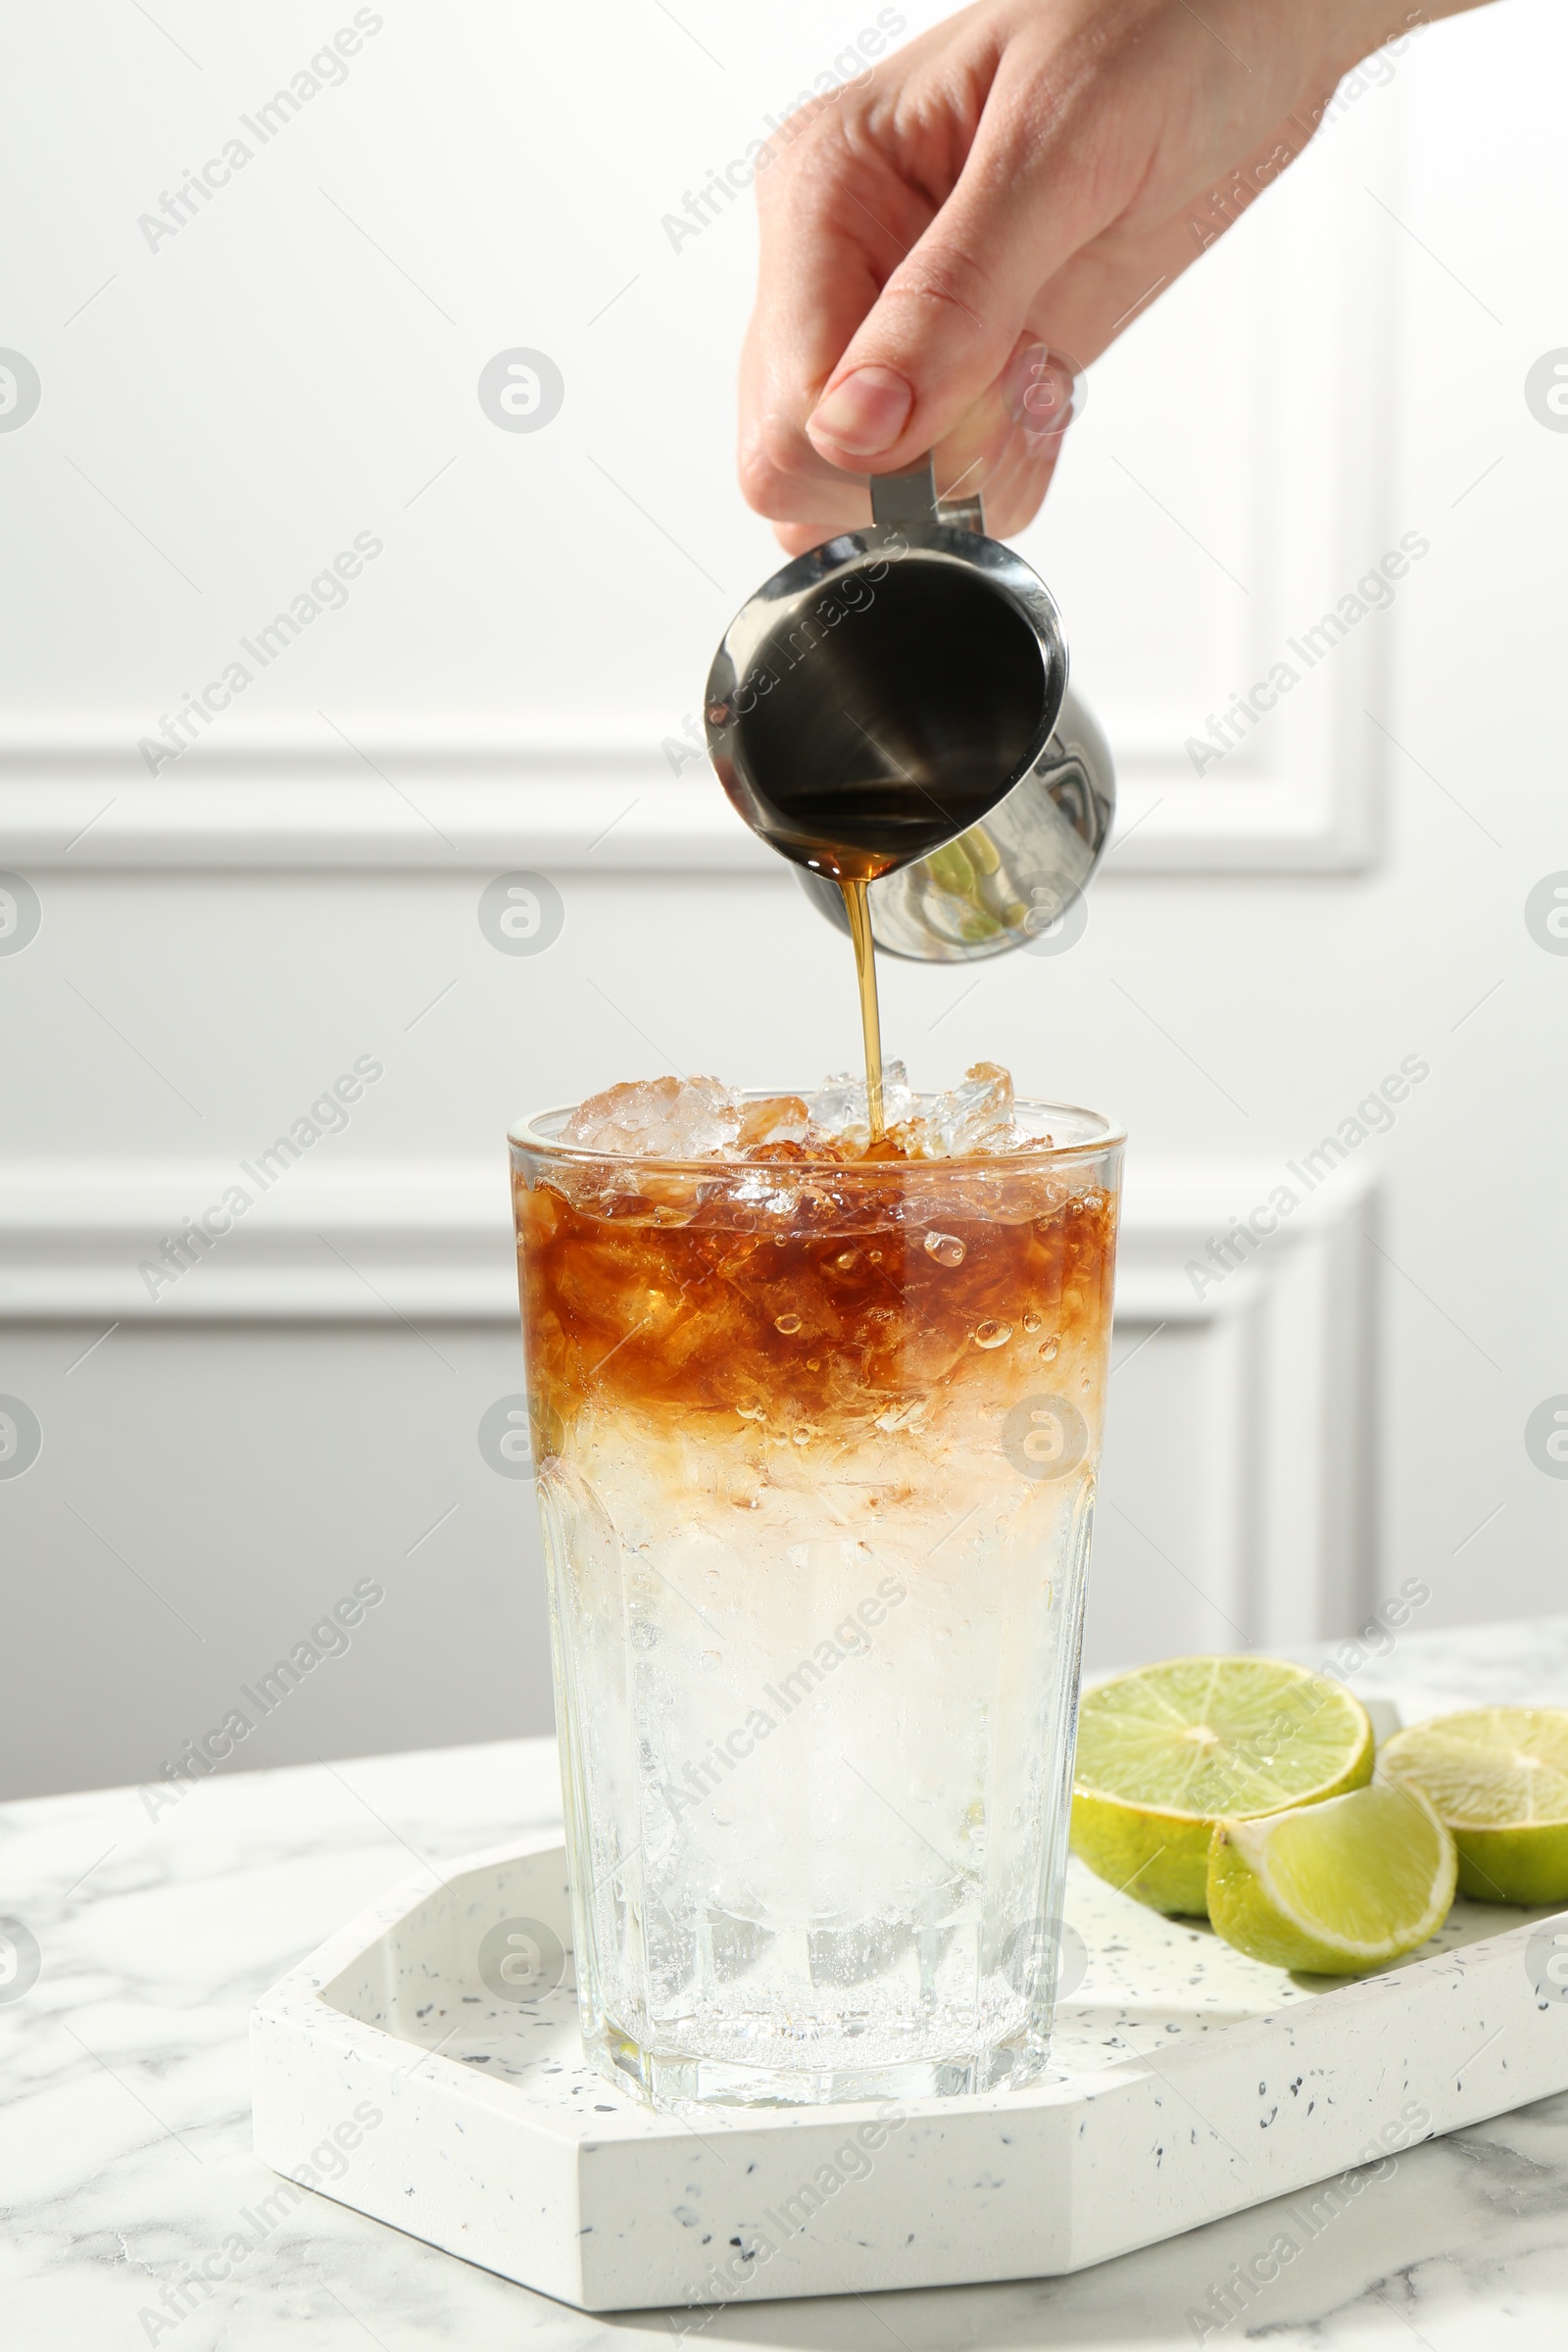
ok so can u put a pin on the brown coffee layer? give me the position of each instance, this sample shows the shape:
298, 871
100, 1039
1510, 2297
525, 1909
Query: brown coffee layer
832, 1298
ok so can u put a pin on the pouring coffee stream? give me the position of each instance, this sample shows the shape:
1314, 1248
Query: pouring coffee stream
891, 714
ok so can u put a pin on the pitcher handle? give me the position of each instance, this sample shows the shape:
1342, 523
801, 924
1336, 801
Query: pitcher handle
1051, 390
912, 498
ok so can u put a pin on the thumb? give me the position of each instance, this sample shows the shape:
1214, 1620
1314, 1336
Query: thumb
949, 317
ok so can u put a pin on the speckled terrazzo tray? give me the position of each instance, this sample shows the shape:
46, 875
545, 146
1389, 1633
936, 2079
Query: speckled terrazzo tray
1188, 2083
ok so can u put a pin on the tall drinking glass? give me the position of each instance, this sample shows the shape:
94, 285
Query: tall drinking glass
816, 1445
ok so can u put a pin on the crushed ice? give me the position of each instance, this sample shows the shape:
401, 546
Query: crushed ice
658, 1118
700, 1118
839, 1111
977, 1116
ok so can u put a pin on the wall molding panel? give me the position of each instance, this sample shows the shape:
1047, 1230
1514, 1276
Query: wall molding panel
607, 807
1194, 543
1245, 1509
435, 1237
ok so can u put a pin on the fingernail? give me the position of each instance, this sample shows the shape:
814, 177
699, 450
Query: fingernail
866, 413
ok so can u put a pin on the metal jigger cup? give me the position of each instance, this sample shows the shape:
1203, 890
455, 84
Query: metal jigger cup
964, 674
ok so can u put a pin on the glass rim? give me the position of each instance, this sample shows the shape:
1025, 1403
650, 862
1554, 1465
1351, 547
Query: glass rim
525, 1133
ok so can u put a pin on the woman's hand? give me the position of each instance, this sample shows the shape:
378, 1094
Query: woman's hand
1032, 172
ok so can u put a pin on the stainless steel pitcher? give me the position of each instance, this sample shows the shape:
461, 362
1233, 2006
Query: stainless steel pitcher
944, 651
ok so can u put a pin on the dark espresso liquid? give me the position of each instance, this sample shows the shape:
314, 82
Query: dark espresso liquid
858, 906
881, 716
860, 830
854, 833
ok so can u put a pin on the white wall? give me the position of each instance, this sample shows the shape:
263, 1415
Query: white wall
217, 943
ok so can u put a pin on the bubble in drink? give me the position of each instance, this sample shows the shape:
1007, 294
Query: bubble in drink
787, 1324
946, 1248
993, 1335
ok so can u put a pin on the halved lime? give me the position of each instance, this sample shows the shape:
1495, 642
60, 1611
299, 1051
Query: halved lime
1162, 1753
1498, 1778
1337, 1888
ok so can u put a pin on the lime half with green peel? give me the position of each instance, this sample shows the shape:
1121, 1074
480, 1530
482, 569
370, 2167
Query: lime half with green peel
1167, 1751
1334, 1889
1498, 1778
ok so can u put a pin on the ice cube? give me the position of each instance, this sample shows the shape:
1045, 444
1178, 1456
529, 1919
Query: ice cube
977, 1116
779, 1120
839, 1112
658, 1118
700, 1118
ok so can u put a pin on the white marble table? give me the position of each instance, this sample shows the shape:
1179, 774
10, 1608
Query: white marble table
125, 2116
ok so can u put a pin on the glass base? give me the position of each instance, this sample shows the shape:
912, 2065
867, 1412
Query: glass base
672, 2080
